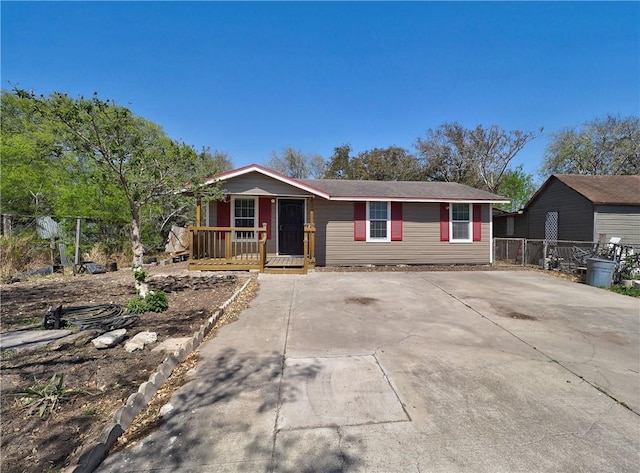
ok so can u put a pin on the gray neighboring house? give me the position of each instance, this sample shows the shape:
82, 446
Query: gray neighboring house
578, 208
354, 222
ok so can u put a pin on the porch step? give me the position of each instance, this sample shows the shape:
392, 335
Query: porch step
284, 270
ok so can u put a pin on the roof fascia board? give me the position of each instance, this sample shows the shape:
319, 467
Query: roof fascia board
539, 191
419, 199
267, 172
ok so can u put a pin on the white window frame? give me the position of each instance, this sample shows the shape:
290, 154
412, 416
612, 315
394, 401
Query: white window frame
470, 223
369, 220
234, 236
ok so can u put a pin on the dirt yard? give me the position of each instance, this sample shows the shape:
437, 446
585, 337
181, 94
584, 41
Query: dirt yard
96, 382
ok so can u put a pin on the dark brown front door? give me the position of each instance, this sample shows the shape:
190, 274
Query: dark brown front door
290, 226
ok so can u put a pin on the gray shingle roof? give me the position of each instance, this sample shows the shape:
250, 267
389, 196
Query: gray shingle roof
418, 190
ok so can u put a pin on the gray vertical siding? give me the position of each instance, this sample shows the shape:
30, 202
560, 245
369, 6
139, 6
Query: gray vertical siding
519, 227
575, 213
421, 243
618, 221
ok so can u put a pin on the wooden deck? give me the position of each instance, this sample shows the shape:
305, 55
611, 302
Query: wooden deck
214, 249
273, 264
285, 264
284, 261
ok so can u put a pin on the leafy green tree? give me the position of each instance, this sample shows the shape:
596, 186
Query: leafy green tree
125, 149
476, 157
177, 208
295, 164
31, 159
518, 186
40, 176
387, 164
379, 164
609, 145
340, 164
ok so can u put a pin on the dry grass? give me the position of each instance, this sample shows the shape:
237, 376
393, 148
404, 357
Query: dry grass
22, 253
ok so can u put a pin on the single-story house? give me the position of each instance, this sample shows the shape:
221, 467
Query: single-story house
573, 207
269, 221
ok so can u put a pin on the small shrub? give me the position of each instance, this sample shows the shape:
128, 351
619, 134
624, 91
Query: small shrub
137, 305
140, 275
157, 301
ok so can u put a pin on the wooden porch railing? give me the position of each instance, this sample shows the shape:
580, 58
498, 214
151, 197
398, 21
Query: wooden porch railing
309, 256
216, 248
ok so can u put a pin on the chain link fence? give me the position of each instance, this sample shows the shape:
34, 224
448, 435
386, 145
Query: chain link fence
563, 255
43, 244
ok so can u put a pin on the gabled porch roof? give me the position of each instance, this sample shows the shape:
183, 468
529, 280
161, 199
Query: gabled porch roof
224, 176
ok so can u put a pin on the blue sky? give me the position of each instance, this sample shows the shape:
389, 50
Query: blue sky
252, 78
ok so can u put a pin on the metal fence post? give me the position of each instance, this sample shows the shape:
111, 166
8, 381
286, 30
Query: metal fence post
77, 256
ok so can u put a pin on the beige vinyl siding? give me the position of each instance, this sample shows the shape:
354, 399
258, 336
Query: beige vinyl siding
618, 221
575, 213
212, 214
420, 244
258, 184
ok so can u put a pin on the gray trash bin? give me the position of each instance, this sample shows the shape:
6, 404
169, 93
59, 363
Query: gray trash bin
600, 272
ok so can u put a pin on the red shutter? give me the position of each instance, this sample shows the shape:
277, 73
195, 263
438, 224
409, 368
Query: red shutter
264, 214
444, 221
477, 222
359, 221
224, 214
396, 221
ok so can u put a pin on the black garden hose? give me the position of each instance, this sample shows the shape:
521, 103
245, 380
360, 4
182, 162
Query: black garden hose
101, 316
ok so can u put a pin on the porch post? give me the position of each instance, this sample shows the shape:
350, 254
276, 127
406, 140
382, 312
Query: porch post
312, 217
198, 212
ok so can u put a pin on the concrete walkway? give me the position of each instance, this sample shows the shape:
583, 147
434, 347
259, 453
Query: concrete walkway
410, 372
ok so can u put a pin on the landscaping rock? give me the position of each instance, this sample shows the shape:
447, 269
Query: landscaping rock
109, 339
165, 409
140, 340
77, 339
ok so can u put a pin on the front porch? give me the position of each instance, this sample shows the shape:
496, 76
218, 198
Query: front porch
221, 249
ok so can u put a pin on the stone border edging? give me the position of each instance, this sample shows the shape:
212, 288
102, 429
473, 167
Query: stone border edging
92, 456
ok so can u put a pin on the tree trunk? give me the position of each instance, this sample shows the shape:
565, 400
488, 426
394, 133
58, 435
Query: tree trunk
136, 245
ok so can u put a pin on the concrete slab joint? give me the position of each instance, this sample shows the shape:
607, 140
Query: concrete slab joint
432, 371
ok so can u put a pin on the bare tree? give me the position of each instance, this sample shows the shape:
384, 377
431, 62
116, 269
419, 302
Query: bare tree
477, 157
610, 145
295, 164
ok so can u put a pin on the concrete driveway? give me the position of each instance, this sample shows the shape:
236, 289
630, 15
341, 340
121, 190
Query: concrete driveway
410, 372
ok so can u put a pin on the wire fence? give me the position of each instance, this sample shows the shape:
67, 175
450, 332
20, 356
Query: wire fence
44, 244
563, 255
